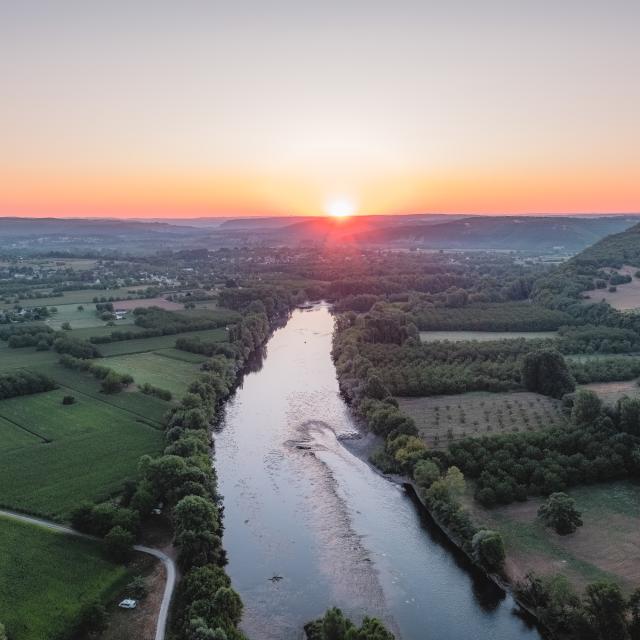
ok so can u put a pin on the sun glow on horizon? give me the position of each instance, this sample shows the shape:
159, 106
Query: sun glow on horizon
340, 207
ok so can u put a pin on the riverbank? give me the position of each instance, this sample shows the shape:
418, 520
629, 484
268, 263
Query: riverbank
300, 506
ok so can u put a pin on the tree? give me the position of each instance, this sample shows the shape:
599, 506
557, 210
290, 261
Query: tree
545, 371
112, 383
119, 544
334, 625
228, 602
560, 513
586, 407
65, 326
455, 482
195, 513
426, 472
199, 548
606, 610
488, 549
371, 629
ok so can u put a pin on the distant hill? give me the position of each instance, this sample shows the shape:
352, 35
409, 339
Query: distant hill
528, 233
502, 232
614, 250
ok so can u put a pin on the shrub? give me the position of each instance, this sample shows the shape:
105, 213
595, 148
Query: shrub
488, 549
68, 400
560, 512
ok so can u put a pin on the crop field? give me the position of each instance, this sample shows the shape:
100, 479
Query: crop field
80, 451
159, 371
442, 420
607, 546
146, 407
160, 342
25, 358
611, 392
484, 336
626, 296
46, 577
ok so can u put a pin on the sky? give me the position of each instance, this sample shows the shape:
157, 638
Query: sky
211, 108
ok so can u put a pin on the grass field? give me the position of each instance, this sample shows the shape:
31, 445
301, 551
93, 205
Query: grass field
160, 371
160, 342
626, 296
86, 318
445, 419
46, 577
483, 336
91, 448
607, 546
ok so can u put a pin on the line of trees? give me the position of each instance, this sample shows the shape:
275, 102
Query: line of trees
112, 381
440, 484
23, 383
602, 613
154, 322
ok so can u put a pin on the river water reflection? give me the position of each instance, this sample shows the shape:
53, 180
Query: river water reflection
309, 525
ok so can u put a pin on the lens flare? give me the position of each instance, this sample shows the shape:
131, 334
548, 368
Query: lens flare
341, 207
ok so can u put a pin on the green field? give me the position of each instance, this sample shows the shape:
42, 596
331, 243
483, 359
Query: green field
148, 408
92, 448
607, 546
154, 368
25, 358
46, 577
78, 296
484, 336
160, 342
81, 319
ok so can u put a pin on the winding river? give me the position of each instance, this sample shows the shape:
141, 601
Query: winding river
309, 525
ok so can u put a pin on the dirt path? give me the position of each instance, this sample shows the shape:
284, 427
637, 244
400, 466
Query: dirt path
168, 563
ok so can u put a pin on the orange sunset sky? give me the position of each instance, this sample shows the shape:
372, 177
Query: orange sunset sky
195, 108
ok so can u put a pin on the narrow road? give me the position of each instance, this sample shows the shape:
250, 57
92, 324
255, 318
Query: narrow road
168, 563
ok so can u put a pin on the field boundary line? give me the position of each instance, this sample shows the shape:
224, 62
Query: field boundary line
33, 433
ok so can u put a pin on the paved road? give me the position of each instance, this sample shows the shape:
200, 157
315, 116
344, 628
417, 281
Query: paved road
156, 553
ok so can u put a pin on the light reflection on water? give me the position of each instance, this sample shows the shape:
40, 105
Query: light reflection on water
301, 507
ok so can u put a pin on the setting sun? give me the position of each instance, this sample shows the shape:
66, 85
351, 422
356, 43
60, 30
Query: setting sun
340, 207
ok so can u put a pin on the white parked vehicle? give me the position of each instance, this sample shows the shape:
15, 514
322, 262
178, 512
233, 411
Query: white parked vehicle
128, 604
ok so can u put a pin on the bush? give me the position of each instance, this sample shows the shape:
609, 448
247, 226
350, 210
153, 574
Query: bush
68, 400
488, 549
560, 512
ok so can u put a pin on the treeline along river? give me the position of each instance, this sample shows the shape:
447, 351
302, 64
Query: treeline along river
309, 525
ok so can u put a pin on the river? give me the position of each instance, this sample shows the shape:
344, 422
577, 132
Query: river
309, 525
